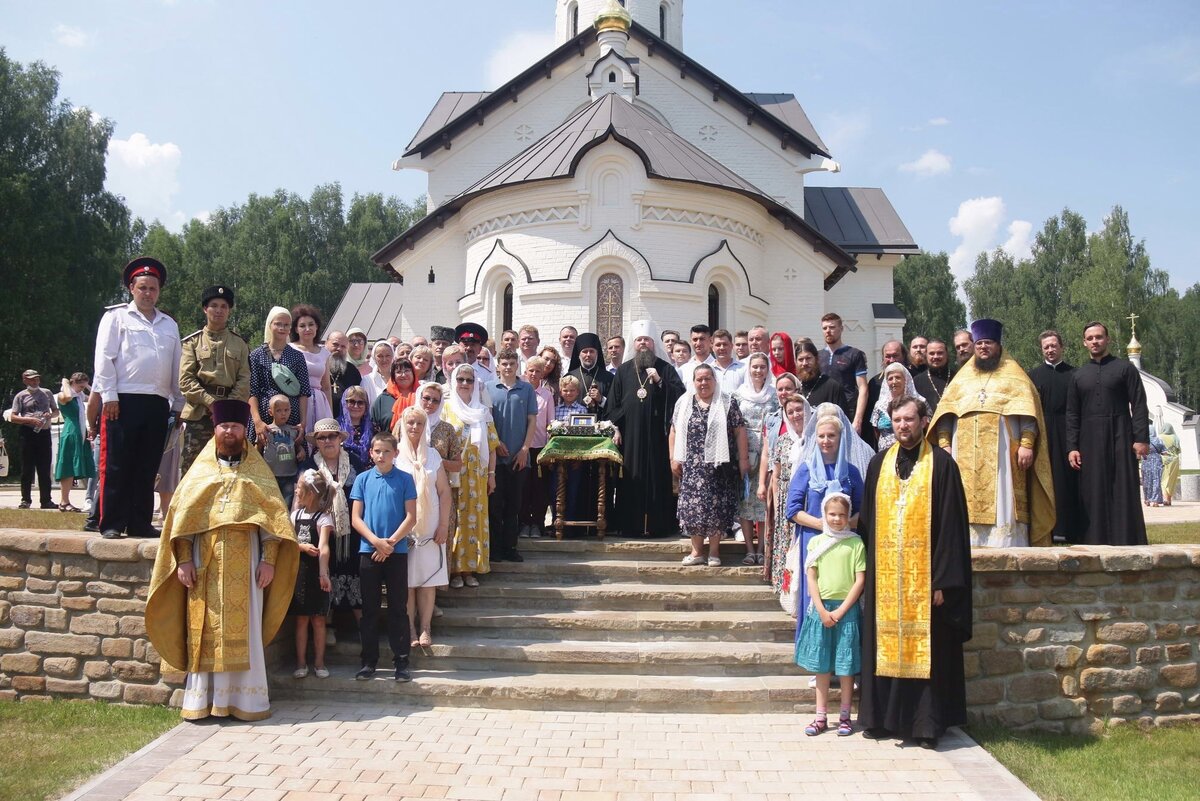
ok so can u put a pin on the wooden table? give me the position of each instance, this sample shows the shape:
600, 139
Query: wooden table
567, 450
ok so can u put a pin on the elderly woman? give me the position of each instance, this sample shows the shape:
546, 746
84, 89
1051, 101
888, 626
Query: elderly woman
376, 380
756, 399
277, 369
707, 434
355, 421
897, 382
472, 421
427, 569
340, 467
422, 362
306, 328
827, 465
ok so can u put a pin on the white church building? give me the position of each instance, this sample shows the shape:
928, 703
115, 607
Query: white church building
618, 179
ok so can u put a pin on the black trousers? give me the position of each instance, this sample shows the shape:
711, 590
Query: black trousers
35, 455
504, 508
131, 448
373, 577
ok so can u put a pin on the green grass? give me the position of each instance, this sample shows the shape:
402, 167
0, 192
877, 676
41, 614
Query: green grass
51, 747
1174, 534
53, 520
1123, 765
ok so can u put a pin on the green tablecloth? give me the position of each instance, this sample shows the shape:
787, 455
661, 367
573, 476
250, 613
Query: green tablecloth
579, 449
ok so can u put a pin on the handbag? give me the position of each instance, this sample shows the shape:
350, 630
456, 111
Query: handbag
285, 379
789, 591
3, 459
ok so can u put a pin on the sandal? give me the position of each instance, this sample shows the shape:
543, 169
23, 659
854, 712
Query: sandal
300, 673
818, 726
748, 560
456, 582
759, 558
66, 507
845, 727
471, 581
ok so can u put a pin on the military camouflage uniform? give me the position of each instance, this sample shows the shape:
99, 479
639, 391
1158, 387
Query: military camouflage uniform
215, 365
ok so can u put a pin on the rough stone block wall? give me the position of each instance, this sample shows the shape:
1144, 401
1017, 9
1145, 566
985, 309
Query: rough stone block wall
72, 619
1072, 639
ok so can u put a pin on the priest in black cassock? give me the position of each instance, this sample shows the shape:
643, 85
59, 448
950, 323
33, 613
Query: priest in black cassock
917, 600
641, 400
1052, 378
594, 380
1108, 430
931, 382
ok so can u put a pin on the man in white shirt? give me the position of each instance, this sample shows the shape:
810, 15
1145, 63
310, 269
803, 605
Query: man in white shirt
614, 351
137, 376
566, 342
701, 353
729, 371
528, 340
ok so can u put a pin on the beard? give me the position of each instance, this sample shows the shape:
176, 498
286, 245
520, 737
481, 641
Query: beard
231, 451
988, 365
337, 364
809, 375
644, 359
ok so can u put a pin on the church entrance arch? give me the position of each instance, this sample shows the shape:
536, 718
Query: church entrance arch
610, 306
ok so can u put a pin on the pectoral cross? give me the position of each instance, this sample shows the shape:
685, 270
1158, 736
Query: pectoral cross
982, 397
224, 500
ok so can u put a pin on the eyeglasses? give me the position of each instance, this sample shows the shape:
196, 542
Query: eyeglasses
355, 402
426, 399
326, 437
464, 380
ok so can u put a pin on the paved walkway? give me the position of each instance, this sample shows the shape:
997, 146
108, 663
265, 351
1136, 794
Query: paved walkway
337, 753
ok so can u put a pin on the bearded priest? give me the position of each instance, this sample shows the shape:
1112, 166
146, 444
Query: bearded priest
224, 574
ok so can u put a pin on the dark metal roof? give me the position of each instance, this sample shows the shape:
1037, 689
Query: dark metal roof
887, 311
787, 108
449, 107
859, 219
779, 116
664, 153
375, 308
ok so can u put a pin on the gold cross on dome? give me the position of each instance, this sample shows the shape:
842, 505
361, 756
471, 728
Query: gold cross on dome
1133, 318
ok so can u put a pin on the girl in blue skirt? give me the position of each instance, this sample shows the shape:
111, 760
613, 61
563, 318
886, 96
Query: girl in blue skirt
828, 644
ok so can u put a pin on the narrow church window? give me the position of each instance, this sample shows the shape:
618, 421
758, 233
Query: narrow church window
612, 77
714, 307
610, 190
573, 15
610, 306
507, 313
662, 21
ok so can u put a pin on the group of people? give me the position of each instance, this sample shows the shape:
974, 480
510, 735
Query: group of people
319, 468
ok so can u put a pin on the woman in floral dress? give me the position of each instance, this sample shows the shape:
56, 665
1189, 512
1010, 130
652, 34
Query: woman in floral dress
472, 421
786, 451
756, 399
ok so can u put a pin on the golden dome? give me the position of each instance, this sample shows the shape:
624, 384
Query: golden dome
613, 17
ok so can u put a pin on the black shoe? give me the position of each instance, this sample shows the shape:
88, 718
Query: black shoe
92, 527
151, 534
499, 557
875, 734
24, 505
513, 556
365, 672
111, 534
50, 506
928, 743
403, 673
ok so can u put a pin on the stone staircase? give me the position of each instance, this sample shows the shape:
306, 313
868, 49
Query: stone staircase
588, 624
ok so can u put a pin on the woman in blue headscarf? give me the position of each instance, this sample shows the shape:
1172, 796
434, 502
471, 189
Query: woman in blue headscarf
828, 465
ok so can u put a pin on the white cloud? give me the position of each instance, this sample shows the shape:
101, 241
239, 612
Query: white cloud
1019, 244
517, 52
202, 216
70, 36
937, 122
147, 175
977, 222
931, 162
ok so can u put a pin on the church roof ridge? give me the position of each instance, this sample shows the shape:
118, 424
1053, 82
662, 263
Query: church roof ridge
428, 137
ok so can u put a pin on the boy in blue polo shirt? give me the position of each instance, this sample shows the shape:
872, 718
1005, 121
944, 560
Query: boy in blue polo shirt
384, 512
514, 411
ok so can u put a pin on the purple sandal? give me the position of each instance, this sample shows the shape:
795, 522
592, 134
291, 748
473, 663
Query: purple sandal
845, 727
818, 726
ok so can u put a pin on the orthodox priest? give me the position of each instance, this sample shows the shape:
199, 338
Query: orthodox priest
641, 400
917, 599
1052, 378
990, 420
1108, 430
594, 381
224, 574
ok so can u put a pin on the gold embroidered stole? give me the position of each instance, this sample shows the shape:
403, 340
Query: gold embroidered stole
903, 566
219, 603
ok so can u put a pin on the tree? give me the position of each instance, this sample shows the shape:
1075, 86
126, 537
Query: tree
927, 293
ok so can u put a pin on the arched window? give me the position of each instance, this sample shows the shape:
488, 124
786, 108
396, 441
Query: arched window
573, 19
662, 21
714, 307
612, 77
610, 306
507, 313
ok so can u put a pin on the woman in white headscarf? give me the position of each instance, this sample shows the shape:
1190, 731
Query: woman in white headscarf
707, 434
376, 381
756, 400
472, 422
897, 382
784, 436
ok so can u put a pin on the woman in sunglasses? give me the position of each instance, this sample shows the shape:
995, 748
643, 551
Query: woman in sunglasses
472, 424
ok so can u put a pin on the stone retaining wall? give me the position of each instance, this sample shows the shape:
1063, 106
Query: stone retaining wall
72, 619
1066, 639
1069, 639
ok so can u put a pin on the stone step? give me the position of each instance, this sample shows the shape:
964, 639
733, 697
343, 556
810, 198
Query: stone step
675, 658
622, 596
618, 625
554, 691
601, 568
654, 549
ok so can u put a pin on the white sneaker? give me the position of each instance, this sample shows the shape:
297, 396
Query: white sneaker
714, 561
689, 560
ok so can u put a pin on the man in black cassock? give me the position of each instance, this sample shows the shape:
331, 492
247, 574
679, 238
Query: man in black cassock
901, 697
931, 382
1108, 430
1052, 378
641, 401
594, 380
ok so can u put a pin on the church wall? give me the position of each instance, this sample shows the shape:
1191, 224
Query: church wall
427, 304
852, 298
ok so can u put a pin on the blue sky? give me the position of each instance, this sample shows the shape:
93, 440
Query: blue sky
979, 119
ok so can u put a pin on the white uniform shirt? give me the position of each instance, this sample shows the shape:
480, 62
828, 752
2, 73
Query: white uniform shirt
731, 377
137, 356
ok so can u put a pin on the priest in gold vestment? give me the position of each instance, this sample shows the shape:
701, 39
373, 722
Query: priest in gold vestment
917, 600
990, 420
224, 574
